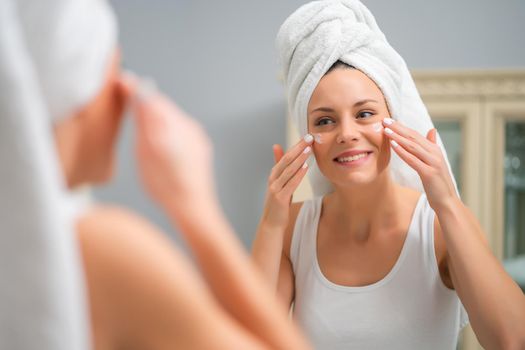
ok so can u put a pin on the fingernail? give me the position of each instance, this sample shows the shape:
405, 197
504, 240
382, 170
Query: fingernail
388, 121
128, 74
147, 88
389, 131
394, 143
308, 138
305, 165
307, 149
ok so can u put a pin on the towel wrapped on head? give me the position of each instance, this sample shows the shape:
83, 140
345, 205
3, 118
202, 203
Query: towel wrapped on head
70, 44
321, 33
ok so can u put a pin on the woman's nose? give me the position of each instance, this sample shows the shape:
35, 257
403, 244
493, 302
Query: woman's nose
348, 132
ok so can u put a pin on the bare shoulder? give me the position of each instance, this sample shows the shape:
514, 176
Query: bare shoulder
122, 240
113, 219
412, 196
294, 212
117, 224
140, 285
125, 259
440, 247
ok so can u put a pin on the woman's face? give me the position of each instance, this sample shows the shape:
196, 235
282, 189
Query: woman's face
345, 113
92, 131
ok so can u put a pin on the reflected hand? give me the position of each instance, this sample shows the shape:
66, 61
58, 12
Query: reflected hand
426, 158
285, 177
173, 151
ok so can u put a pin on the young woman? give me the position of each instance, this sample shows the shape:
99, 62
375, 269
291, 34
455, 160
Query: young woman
143, 293
372, 264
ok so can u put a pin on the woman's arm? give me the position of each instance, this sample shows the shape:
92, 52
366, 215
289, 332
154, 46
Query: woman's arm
271, 247
271, 254
144, 294
175, 161
494, 302
233, 278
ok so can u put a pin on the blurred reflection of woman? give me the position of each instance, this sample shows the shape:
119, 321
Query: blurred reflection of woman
59, 60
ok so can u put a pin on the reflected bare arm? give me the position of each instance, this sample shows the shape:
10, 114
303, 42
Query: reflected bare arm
175, 161
494, 302
144, 294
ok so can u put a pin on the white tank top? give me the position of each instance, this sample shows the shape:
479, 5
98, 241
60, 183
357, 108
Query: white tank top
410, 308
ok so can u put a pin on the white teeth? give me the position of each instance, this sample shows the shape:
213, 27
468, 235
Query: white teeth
352, 158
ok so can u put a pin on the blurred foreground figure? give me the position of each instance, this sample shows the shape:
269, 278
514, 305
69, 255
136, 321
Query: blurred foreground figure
65, 265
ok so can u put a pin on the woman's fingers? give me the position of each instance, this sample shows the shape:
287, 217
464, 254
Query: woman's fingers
431, 135
278, 153
127, 84
411, 146
407, 133
294, 182
408, 157
292, 169
423, 148
289, 157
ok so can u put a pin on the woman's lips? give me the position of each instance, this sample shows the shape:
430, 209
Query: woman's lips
352, 159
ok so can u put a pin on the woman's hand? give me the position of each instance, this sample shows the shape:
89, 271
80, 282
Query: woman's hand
425, 157
285, 177
173, 151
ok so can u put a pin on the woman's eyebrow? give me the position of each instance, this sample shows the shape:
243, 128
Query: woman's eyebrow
362, 102
322, 109
357, 104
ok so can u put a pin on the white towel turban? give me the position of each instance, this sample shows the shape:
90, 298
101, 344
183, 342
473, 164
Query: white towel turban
320, 33
53, 59
70, 44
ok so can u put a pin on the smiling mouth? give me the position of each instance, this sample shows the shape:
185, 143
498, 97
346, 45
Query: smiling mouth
350, 159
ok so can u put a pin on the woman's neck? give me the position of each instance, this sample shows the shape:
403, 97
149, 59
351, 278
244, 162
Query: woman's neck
365, 208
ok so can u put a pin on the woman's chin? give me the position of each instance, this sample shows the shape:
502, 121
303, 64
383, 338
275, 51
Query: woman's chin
95, 175
355, 180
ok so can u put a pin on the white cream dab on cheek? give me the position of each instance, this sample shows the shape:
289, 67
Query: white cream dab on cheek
377, 127
317, 138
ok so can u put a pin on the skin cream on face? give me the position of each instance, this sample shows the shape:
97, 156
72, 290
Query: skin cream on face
317, 138
377, 127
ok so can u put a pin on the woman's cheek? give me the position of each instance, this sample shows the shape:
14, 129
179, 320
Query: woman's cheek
320, 151
384, 145
377, 127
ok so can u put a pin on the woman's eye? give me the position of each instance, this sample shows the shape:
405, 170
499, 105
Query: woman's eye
364, 114
324, 121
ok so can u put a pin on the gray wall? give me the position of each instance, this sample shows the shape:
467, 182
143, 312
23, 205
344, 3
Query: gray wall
217, 60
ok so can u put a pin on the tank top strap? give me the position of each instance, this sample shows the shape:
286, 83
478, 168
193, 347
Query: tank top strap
419, 244
422, 237
428, 259
304, 235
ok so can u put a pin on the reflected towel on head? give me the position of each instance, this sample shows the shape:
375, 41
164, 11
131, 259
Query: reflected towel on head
70, 44
320, 33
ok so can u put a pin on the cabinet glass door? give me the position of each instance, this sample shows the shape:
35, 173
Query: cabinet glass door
451, 135
514, 213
